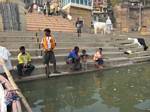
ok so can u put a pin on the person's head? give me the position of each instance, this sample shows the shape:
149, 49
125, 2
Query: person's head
22, 49
47, 32
83, 51
76, 48
100, 50
78, 19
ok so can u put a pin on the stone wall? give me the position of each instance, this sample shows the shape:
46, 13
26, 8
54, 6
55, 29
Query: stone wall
21, 13
10, 16
146, 18
128, 19
122, 22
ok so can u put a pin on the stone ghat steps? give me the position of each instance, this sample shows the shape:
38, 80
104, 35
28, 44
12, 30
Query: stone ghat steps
58, 51
62, 57
18, 39
63, 38
17, 33
58, 29
57, 37
35, 45
114, 62
54, 28
63, 67
49, 19
62, 35
36, 22
51, 24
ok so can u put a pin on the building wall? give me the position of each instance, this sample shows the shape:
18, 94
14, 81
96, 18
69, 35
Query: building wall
83, 14
129, 19
146, 18
121, 18
21, 6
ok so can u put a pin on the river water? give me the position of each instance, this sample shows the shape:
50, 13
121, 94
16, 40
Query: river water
124, 89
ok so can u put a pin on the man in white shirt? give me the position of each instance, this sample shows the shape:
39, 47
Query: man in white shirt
5, 55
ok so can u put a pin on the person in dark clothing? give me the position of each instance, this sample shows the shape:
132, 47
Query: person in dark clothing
44, 9
48, 8
142, 42
74, 59
79, 25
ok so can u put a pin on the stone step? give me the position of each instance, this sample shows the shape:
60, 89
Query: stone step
60, 35
57, 30
140, 59
62, 57
58, 38
63, 67
34, 45
53, 28
16, 33
36, 22
38, 52
47, 23
139, 54
18, 39
16, 45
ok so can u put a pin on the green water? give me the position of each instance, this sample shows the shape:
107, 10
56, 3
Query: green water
118, 90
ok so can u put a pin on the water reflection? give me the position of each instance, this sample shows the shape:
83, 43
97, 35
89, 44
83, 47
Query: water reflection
117, 90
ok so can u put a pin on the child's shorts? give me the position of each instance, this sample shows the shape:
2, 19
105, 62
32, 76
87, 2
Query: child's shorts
100, 61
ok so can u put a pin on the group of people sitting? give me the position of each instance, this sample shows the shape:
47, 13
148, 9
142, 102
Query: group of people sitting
79, 62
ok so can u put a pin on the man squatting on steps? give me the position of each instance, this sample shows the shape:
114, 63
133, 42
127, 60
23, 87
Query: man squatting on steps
24, 66
48, 43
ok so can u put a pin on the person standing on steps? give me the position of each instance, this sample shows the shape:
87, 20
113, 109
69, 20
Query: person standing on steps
48, 8
48, 44
44, 9
79, 25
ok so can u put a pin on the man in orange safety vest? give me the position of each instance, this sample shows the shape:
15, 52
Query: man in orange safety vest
48, 44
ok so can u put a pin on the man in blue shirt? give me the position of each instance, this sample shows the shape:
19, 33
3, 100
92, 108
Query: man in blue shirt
75, 58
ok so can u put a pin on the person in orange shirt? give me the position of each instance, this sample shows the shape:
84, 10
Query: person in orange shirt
48, 44
98, 58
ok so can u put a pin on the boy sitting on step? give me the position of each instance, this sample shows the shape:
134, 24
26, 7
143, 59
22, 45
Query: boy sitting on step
24, 62
98, 58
